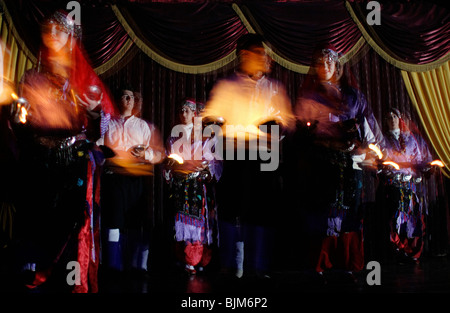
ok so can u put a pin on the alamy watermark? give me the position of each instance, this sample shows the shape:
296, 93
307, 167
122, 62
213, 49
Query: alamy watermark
374, 276
240, 142
74, 277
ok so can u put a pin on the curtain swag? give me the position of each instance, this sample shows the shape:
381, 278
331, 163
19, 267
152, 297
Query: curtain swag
17, 56
426, 80
164, 61
382, 49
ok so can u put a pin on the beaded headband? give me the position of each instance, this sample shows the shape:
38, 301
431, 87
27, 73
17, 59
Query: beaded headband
190, 104
67, 24
396, 112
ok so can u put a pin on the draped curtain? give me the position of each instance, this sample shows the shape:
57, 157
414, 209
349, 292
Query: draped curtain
415, 37
430, 94
171, 50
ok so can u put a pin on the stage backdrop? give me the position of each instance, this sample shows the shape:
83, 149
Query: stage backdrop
171, 50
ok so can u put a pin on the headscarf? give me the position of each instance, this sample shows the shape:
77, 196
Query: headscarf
82, 75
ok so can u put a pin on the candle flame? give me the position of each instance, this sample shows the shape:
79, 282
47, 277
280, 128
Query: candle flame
393, 164
438, 163
176, 157
376, 150
14, 96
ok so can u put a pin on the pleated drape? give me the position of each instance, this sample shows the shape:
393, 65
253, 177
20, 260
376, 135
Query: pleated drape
430, 94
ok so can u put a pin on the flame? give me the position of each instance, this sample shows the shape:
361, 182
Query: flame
438, 163
23, 115
308, 124
376, 150
393, 164
176, 157
14, 96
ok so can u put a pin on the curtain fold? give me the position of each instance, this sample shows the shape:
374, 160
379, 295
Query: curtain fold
17, 58
430, 94
199, 38
413, 36
178, 43
253, 27
104, 39
294, 29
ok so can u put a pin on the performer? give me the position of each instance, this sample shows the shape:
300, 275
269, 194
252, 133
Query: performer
401, 189
192, 190
249, 191
59, 114
126, 222
336, 126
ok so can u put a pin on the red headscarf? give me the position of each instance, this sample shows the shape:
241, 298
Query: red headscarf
82, 75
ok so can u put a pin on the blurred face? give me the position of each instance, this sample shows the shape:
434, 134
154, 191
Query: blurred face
54, 38
187, 115
127, 101
255, 61
393, 121
325, 68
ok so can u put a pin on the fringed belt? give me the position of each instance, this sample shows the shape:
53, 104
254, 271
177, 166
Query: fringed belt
64, 151
403, 180
202, 176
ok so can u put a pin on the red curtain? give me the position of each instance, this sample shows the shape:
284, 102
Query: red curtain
415, 32
199, 32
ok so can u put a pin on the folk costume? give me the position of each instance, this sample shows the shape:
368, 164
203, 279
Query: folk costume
336, 126
192, 193
402, 192
58, 215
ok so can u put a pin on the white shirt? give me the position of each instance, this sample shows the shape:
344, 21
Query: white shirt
369, 138
241, 100
124, 133
245, 103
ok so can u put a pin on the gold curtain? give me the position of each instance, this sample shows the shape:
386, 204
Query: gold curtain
283, 61
163, 60
430, 94
428, 85
16, 57
375, 42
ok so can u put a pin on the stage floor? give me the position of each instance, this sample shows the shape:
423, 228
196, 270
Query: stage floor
171, 288
431, 275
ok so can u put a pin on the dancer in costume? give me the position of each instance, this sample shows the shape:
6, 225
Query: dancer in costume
60, 112
337, 125
126, 204
255, 112
192, 196
402, 191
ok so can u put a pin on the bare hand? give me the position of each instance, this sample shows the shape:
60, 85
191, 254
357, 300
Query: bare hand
89, 103
138, 153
